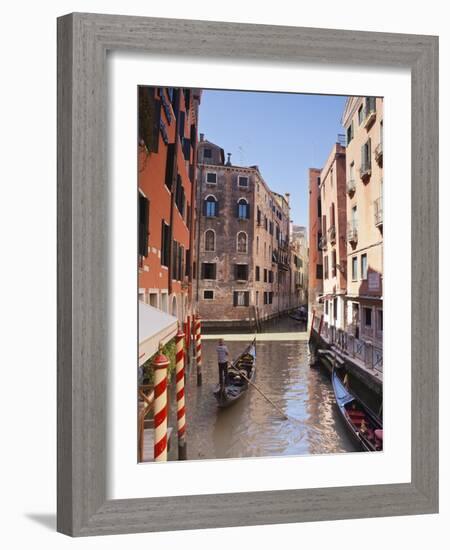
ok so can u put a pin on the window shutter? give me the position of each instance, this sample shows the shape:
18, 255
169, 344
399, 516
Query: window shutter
156, 125
216, 208
181, 121
248, 211
143, 225
214, 271
247, 298
188, 262
163, 244
236, 272
237, 210
203, 271
369, 153
170, 165
205, 206
246, 272
235, 299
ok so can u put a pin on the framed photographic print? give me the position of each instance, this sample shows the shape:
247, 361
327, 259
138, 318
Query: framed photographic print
247, 274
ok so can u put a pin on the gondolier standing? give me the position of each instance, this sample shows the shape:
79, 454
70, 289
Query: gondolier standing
222, 359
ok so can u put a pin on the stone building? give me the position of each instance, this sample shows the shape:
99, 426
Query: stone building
315, 267
363, 120
333, 241
299, 266
167, 144
242, 251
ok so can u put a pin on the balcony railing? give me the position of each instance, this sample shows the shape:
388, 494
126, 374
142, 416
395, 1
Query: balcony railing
332, 234
352, 232
378, 212
379, 153
351, 186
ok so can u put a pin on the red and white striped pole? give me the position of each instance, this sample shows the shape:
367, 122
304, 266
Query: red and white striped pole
160, 365
181, 410
198, 348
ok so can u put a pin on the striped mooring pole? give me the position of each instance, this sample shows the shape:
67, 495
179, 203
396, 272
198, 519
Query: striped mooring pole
160, 365
181, 410
198, 348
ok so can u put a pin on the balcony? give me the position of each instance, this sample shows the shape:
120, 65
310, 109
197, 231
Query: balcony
369, 112
351, 186
365, 171
332, 234
378, 212
379, 154
323, 242
352, 232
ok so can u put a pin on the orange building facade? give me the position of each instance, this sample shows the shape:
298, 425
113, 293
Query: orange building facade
168, 123
333, 242
315, 274
363, 120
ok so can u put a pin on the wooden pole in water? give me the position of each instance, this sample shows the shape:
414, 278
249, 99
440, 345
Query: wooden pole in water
198, 348
181, 411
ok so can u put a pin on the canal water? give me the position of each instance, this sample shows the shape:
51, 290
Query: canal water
251, 427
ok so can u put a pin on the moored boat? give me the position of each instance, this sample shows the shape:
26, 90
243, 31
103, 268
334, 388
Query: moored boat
239, 373
363, 424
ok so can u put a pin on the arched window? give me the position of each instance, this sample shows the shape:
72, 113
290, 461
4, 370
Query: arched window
241, 244
210, 240
210, 206
243, 209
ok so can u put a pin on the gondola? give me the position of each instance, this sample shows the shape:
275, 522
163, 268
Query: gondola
236, 384
363, 424
298, 315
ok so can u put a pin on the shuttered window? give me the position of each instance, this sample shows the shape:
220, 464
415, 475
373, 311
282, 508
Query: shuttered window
143, 225
241, 298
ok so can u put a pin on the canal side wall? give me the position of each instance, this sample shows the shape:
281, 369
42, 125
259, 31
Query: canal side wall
249, 324
365, 376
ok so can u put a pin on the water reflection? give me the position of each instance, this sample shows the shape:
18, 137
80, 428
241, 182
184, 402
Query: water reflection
252, 427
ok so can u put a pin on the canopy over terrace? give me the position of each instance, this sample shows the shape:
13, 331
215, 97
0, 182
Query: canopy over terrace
155, 327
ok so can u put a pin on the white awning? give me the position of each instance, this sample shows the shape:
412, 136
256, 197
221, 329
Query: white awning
155, 327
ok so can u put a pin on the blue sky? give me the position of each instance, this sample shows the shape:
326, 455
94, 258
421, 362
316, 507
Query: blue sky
284, 134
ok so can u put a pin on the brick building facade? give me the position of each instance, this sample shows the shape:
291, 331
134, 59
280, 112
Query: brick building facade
168, 119
242, 268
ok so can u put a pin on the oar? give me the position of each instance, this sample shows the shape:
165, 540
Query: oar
263, 394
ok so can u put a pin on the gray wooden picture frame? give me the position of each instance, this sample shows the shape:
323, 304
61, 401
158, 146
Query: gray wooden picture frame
83, 338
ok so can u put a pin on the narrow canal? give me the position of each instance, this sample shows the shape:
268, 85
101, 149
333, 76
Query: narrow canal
252, 427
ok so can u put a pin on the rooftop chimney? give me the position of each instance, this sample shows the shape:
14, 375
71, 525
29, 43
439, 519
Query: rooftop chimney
228, 163
202, 137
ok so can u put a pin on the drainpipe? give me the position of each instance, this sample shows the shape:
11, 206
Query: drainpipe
192, 227
199, 212
173, 188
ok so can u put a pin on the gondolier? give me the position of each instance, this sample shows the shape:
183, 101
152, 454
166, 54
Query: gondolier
222, 359
235, 378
